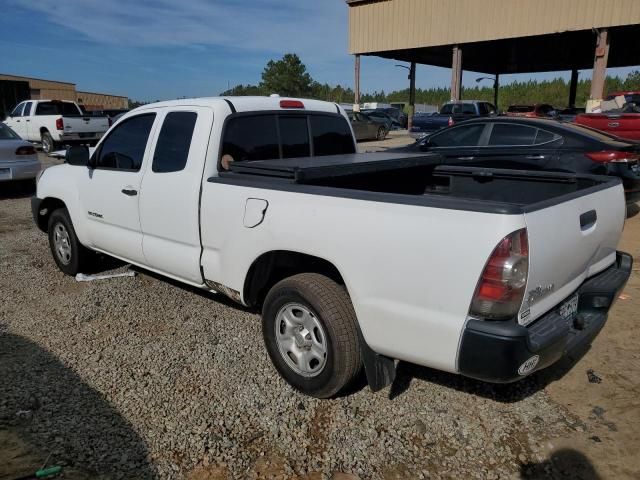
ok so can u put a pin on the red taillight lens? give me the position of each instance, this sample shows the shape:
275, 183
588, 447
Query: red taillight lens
59, 124
26, 150
450, 122
502, 284
291, 104
617, 156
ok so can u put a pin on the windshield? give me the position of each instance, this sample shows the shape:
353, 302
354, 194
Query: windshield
6, 133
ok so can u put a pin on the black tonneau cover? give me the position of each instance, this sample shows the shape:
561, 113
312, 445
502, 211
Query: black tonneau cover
303, 169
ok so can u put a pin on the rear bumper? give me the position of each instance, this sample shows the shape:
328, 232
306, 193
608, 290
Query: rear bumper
19, 170
502, 352
80, 137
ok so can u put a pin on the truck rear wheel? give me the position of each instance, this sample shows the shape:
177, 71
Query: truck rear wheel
48, 145
68, 253
310, 331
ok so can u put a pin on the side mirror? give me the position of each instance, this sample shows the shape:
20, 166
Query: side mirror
77, 155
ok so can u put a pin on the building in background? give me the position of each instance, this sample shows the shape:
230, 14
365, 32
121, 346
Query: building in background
14, 89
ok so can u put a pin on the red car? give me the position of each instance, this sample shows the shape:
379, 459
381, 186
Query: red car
537, 110
624, 122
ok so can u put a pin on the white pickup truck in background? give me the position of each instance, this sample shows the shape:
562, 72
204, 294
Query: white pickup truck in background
54, 123
354, 260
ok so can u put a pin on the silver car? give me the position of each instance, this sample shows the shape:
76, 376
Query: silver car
367, 128
18, 159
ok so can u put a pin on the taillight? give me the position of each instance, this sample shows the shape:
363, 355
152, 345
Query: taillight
450, 122
291, 104
26, 150
59, 124
502, 284
617, 156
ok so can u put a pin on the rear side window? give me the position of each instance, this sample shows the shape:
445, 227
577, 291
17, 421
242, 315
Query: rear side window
124, 148
506, 134
251, 138
174, 141
331, 135
544, 137
463, 136
294, 135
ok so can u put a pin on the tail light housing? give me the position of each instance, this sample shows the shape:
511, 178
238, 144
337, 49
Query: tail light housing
59, 124
613, 156
450, 122
26, 150
503, 282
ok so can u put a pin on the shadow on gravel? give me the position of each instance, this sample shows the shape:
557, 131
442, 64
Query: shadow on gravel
505, 393
52, 412
566, 463
17, 189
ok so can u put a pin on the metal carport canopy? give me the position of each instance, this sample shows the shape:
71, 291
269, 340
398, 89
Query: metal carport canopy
496, 36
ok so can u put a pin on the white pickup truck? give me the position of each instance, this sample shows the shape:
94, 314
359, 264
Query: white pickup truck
54, 123
354, 259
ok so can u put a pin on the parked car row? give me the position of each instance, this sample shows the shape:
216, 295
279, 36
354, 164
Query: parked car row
536, 144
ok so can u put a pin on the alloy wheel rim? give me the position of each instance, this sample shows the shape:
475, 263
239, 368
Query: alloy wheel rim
62, 243
301, 340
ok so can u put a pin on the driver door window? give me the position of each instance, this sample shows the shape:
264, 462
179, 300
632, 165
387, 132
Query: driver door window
124, 148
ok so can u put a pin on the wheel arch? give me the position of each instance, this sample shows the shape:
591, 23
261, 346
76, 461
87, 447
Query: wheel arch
44, 130
271, 267
46, 207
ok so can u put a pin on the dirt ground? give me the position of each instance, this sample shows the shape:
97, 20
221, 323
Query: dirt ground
600, 391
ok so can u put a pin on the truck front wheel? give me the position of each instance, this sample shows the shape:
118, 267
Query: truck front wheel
310, 331
48, 145
68, 253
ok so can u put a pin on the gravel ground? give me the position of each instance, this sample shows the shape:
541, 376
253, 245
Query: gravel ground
144, 378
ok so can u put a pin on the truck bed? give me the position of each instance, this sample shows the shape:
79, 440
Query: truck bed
421, 176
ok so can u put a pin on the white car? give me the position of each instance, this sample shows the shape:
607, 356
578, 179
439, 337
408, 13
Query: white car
55, 122
18, 159
354, 260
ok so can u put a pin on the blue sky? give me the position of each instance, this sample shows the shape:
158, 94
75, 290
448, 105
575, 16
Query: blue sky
164, 49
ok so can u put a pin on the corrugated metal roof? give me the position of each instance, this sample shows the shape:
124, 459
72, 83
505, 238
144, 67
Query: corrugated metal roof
385, 25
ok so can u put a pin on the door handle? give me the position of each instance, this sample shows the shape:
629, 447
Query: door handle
535, 157
129, 192
588, 219
27, 120
466, 158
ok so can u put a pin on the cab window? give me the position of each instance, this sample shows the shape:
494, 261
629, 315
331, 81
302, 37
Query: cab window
124, 148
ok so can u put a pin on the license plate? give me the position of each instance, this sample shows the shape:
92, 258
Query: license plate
569, 308
5, 174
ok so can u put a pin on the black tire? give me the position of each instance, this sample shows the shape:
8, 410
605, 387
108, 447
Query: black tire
331, 306
79, 258
48, 145
382, 133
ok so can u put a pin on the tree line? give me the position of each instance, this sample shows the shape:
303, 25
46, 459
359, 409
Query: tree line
289, 77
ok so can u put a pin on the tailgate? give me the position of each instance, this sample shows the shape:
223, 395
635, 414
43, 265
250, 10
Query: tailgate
569, 242
85, 124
